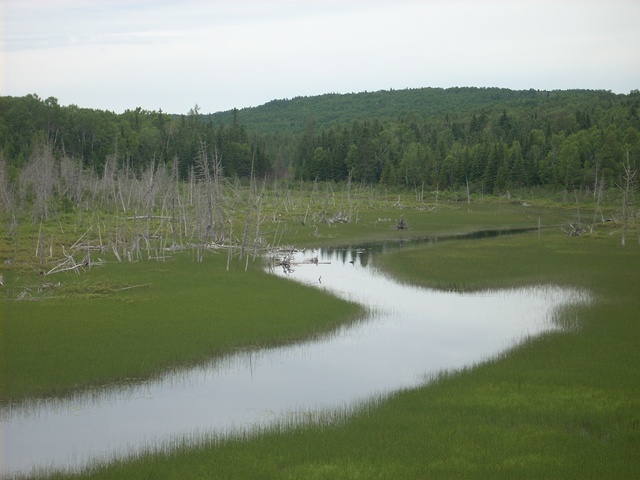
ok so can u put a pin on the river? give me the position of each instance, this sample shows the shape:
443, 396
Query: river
409, 335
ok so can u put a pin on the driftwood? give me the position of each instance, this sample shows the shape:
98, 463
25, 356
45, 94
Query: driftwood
313, 261
69, 263
338, 217
132, 286
65, 265
26, 293
285, 262
149, 217
575, 230
284, 258
426, 208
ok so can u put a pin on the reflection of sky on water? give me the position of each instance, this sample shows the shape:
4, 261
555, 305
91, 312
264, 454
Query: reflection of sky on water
413, 333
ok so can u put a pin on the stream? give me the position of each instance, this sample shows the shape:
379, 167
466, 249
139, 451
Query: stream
409, 335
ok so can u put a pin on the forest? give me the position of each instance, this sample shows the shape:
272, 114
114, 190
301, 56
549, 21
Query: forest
480, 140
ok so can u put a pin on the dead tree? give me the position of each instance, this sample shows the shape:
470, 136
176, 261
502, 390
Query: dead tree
109, 179
71, 179
174, 194
218, 198
259, 219
39, 177
205, 220
574, 230
627, 192
6, 198
253, 213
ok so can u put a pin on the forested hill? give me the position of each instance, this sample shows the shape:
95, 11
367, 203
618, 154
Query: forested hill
427, 104
493, 140
490, 140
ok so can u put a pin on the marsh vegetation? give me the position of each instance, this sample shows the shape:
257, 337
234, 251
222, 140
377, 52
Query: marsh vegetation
123, 320
119, 266
407, 337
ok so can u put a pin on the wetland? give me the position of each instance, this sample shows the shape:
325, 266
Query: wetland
408, 336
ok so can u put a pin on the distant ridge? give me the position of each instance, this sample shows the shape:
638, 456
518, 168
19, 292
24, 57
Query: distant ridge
291, 115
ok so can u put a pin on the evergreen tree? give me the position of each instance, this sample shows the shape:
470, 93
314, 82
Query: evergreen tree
388, 177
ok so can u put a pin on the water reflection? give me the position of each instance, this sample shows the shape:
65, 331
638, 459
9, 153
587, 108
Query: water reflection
412, 333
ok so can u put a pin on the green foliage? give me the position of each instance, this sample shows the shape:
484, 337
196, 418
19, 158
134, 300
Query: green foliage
135, 139
522, 139
567, 139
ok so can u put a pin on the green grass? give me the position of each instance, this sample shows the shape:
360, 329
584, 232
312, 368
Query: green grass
564, 405
512, 260
95, 330
378, 222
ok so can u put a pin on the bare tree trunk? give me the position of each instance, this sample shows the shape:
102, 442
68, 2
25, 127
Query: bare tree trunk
6, 201
175, 197
205, 218
39, 176
218, 198
468, 195
259, 220
248, 214
629, 176
349, 200
230, 251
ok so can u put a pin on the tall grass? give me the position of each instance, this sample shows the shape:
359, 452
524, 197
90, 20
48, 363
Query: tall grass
565, 405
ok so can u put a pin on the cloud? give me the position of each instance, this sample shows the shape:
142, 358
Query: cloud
220, 54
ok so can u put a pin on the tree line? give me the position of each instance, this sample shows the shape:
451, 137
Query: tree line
487, 140
576, 142
135, 138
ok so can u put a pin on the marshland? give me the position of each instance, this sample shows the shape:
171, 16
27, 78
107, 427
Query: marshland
118, 278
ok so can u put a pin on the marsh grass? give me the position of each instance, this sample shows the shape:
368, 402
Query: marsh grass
563, 405
96, 330
447, 218
129, 319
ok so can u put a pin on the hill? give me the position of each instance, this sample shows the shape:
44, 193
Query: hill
291, 115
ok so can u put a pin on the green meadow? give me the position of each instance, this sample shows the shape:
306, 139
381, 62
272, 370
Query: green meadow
563, 405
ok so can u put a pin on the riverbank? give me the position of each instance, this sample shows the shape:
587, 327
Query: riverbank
127, 322
120, 320
561, 406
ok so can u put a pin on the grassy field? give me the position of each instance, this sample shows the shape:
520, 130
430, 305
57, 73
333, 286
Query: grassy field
126, 321
564, 405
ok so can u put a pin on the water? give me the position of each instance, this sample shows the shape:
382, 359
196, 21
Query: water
410, 334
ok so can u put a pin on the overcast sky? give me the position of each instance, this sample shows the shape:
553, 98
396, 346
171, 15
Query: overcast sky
220, 54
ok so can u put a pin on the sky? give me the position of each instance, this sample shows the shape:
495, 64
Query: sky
223, 54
